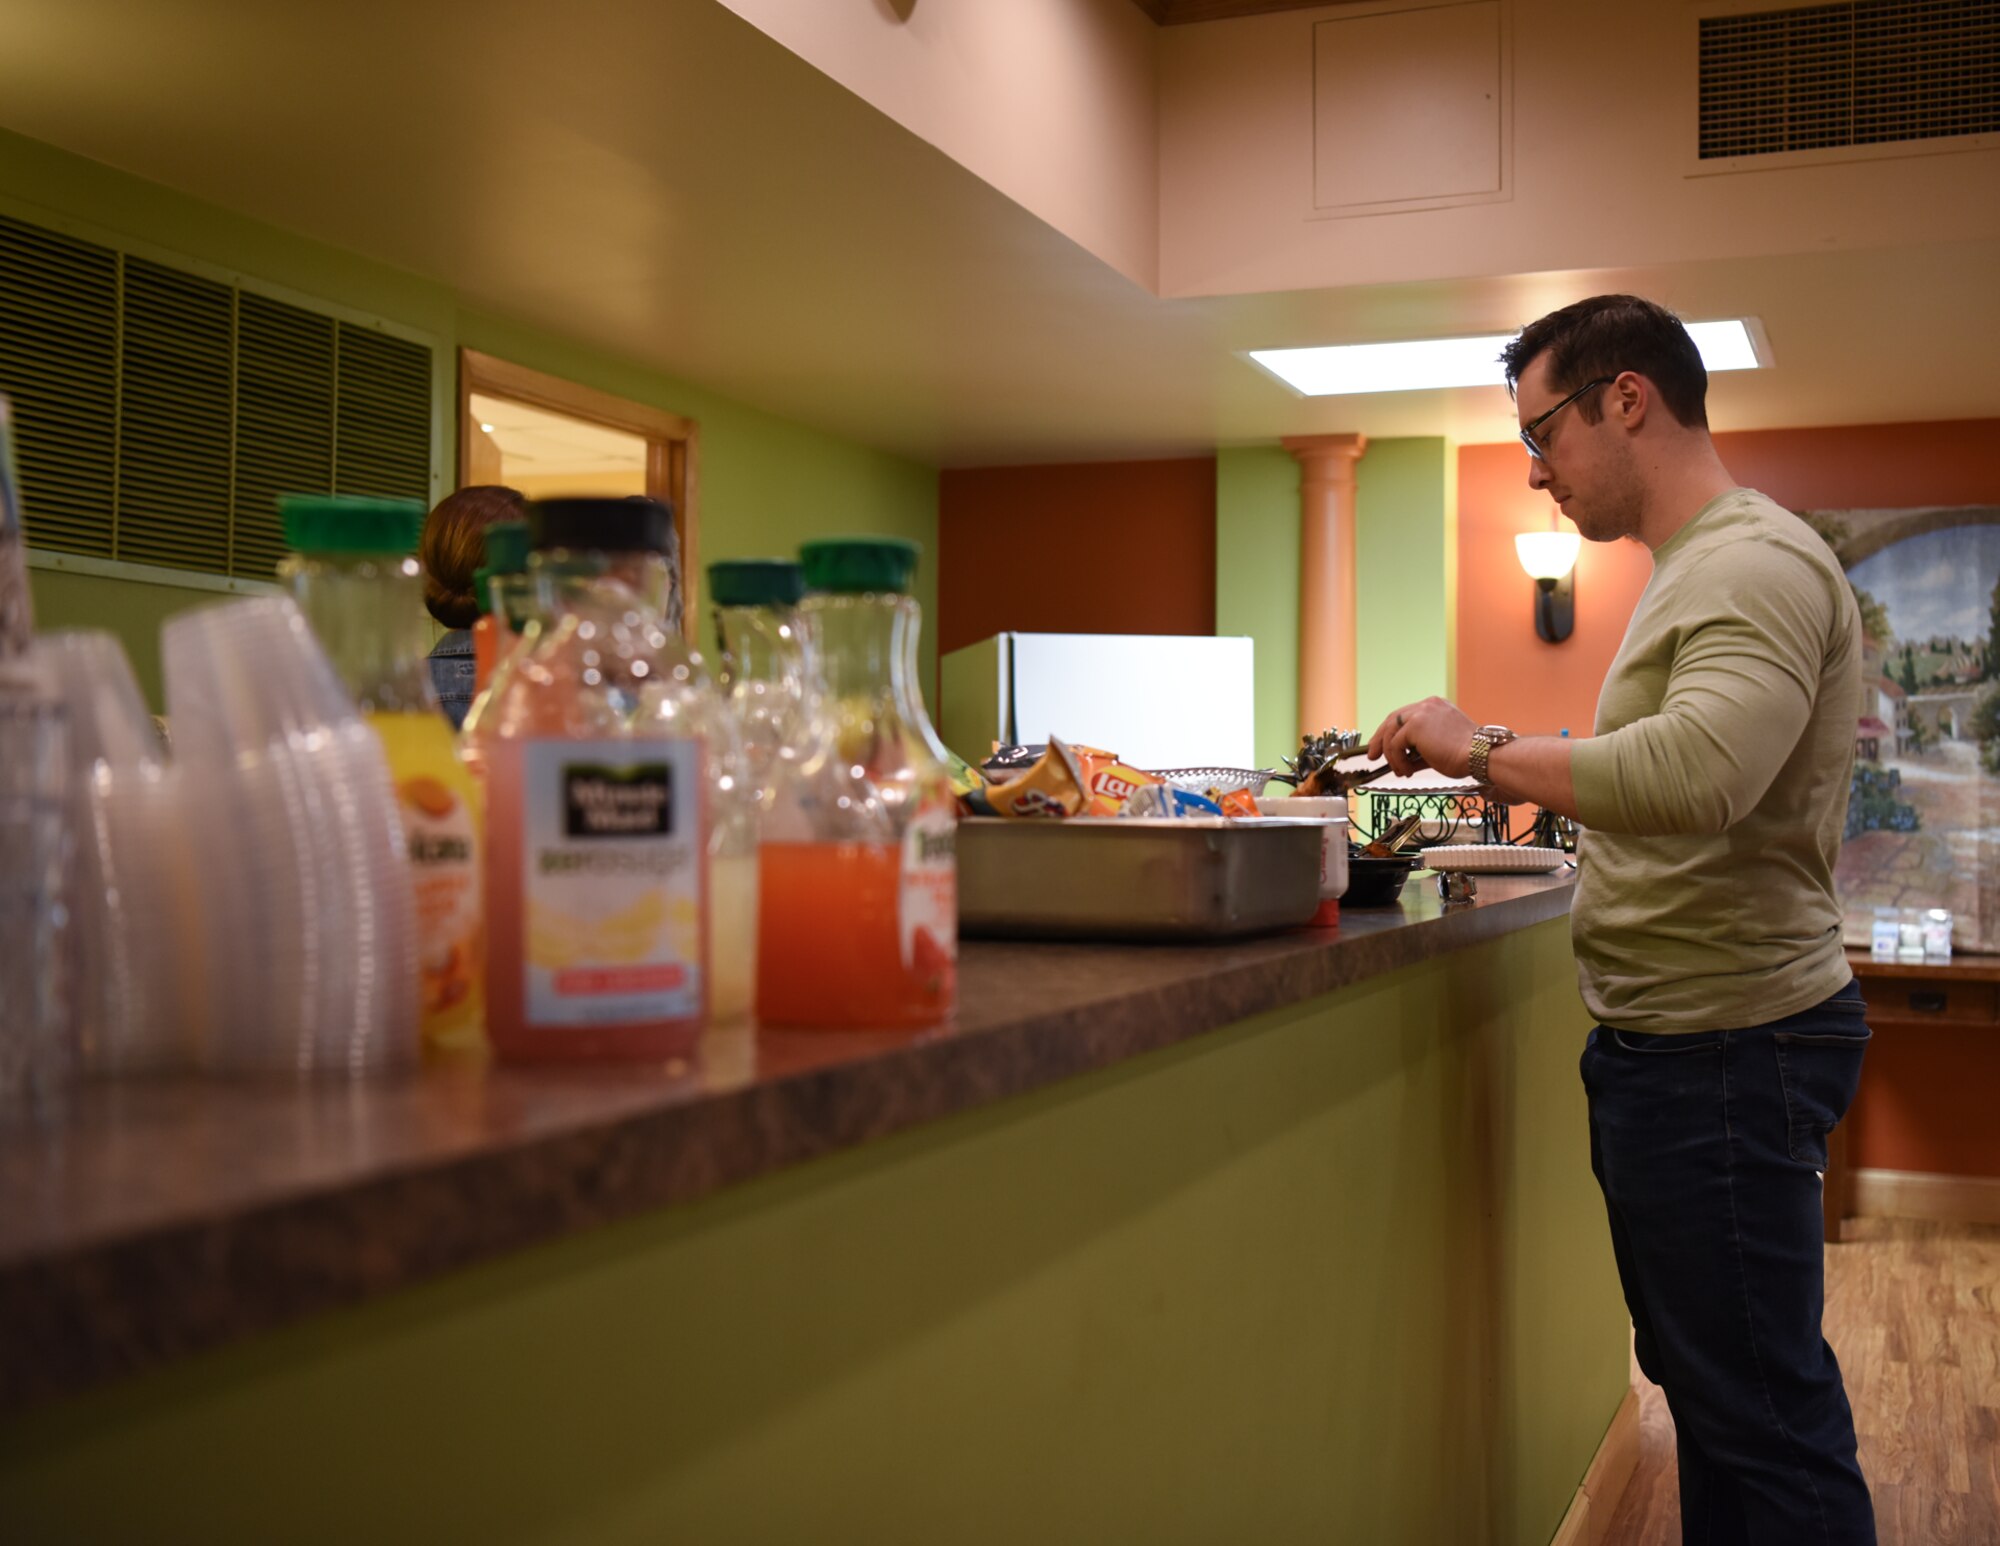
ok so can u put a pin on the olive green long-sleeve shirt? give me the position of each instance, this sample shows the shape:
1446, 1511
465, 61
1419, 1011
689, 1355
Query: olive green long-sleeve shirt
1714, 790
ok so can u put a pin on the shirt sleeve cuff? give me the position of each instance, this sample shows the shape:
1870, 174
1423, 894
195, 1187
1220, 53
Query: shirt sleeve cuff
1591, 771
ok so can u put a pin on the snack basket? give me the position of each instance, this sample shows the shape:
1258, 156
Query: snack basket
1200, 780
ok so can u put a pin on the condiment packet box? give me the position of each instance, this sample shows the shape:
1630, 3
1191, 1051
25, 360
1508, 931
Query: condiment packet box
1885, 935
1937, 934
1918, 934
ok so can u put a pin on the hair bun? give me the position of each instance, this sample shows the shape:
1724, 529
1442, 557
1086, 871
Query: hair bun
454, 546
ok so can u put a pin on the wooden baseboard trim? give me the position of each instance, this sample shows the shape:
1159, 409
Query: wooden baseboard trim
1919, 1194
1575, 1528
1589, 1514
1612, 1467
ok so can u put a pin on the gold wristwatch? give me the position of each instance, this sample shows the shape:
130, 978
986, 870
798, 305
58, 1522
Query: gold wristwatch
1484, 739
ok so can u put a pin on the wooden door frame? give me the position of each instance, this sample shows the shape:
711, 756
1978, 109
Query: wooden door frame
673, 445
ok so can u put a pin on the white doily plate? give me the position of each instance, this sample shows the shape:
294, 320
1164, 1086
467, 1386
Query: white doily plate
1494, 858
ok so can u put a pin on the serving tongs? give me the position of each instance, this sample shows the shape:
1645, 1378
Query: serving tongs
1316, 770
1312, 773
1400, 834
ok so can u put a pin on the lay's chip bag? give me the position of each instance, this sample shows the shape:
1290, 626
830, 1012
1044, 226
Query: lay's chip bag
1110, 782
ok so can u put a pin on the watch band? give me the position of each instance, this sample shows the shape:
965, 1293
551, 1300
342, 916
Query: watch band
1484, 739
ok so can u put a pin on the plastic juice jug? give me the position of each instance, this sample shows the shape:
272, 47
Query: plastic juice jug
858, 906
766, 672
764, 677
354, 575
505, 599
598, 875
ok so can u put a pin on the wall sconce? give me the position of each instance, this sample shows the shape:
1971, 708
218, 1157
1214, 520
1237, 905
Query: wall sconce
1550, 558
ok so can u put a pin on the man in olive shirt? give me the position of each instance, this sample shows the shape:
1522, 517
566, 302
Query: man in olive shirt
1713, 796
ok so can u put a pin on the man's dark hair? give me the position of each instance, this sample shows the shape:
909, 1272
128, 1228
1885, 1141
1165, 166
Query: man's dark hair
1608, 334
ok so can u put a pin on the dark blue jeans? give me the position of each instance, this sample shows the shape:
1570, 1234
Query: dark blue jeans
1707, 1147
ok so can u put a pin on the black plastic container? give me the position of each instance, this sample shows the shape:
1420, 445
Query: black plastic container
1376, 882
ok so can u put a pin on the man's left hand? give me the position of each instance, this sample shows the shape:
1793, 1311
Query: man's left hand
1432, 733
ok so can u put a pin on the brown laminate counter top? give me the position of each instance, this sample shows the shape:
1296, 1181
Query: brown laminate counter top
1960, 968
160, 1217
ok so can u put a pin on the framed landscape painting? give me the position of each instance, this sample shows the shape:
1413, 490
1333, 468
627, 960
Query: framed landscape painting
1923, 821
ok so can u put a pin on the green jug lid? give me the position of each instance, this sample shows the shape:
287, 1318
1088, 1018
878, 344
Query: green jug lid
756, 582
507, 547
507, 544
853, 565
350, 523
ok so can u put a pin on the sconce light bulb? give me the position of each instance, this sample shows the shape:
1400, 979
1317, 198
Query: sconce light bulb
1547, 555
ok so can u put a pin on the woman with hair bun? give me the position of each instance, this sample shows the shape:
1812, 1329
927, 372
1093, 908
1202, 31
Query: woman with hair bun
453, 549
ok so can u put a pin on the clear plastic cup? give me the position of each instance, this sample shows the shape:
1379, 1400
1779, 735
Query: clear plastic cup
37, 1029
310, 953
244, 673
108, 718
132, 917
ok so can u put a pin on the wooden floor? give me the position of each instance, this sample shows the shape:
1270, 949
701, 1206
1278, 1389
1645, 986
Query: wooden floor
1913, 1310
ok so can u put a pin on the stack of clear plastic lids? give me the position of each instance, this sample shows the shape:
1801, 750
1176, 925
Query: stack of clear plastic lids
133, 918
310, 946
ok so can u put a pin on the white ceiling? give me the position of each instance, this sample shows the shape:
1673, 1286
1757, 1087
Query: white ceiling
658, 179
538, 443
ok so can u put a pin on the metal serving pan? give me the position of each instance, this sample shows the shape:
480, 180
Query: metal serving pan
1134, 879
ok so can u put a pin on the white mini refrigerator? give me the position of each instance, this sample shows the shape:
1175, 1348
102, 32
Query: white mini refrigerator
1157, 700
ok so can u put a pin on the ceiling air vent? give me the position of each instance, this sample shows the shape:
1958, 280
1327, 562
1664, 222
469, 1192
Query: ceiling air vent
1827, 77
158, 414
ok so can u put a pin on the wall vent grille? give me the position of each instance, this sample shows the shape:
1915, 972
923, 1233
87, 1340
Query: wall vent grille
158, 414
1870, 72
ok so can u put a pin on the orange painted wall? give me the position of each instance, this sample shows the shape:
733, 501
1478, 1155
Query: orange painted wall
1508, 676
1927, 1094
1099, 547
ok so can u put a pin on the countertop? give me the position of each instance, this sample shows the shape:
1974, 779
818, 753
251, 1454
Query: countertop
158, 1218
1960, 968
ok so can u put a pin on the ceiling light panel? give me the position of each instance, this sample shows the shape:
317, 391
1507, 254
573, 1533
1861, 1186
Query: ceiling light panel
1431, 364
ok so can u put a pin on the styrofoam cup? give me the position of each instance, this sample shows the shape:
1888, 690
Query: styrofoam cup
1331, 813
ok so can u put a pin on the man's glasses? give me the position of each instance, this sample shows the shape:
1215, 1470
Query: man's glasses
1528, 430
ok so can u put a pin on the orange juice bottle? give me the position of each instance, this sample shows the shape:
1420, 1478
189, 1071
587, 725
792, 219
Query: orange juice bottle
597, 880
354, 574
857, 873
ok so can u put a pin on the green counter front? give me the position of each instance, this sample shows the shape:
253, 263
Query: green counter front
1334, 1272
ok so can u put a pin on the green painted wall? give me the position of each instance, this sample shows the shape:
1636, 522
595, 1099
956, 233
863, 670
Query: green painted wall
86, 198
1406, 551
132, 609
1406, 558
1257, 581
1337, 1273
765, 482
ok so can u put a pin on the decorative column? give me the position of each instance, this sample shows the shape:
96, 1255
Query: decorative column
1327, 650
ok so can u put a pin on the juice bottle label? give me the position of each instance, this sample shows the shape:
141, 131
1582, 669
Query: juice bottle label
927, 906
435, 797
612, 877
